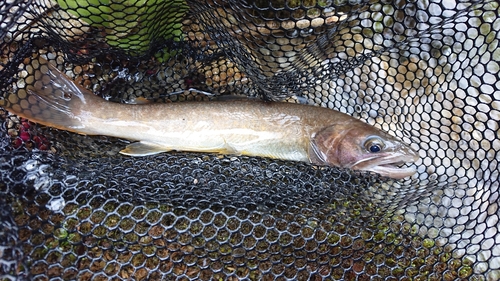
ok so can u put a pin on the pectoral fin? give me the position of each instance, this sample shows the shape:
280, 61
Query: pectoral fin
143, 149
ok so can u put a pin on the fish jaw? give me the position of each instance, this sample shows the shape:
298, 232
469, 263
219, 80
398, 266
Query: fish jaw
388, 164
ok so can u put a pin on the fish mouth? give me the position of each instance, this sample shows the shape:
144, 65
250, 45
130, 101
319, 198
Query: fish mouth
388, 165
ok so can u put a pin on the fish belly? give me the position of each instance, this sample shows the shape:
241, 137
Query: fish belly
238, 141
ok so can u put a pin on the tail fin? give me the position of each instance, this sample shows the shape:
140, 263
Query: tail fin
53, 99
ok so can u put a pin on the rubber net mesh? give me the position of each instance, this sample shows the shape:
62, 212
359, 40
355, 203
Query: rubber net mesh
71, 207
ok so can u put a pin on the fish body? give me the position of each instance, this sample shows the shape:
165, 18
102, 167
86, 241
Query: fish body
277, 130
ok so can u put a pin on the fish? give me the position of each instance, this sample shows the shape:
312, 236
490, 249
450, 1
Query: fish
279, 130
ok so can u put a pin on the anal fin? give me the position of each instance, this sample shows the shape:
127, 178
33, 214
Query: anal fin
143, 149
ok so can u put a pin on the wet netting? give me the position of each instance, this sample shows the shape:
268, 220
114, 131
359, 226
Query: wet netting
73, 208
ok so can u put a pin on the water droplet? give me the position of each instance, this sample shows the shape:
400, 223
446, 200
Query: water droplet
56, 204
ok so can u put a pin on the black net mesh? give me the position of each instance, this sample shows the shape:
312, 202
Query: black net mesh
71, 207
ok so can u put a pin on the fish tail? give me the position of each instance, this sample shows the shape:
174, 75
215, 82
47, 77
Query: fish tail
53, 99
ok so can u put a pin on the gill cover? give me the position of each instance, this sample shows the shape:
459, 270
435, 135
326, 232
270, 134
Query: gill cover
326, 148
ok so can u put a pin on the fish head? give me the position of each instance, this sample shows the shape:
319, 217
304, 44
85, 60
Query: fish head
359, 146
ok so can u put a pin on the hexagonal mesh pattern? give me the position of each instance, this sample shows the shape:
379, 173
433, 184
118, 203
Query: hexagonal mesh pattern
71, 207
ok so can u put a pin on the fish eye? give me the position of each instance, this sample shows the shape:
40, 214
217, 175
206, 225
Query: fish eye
374, 145
375, 148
